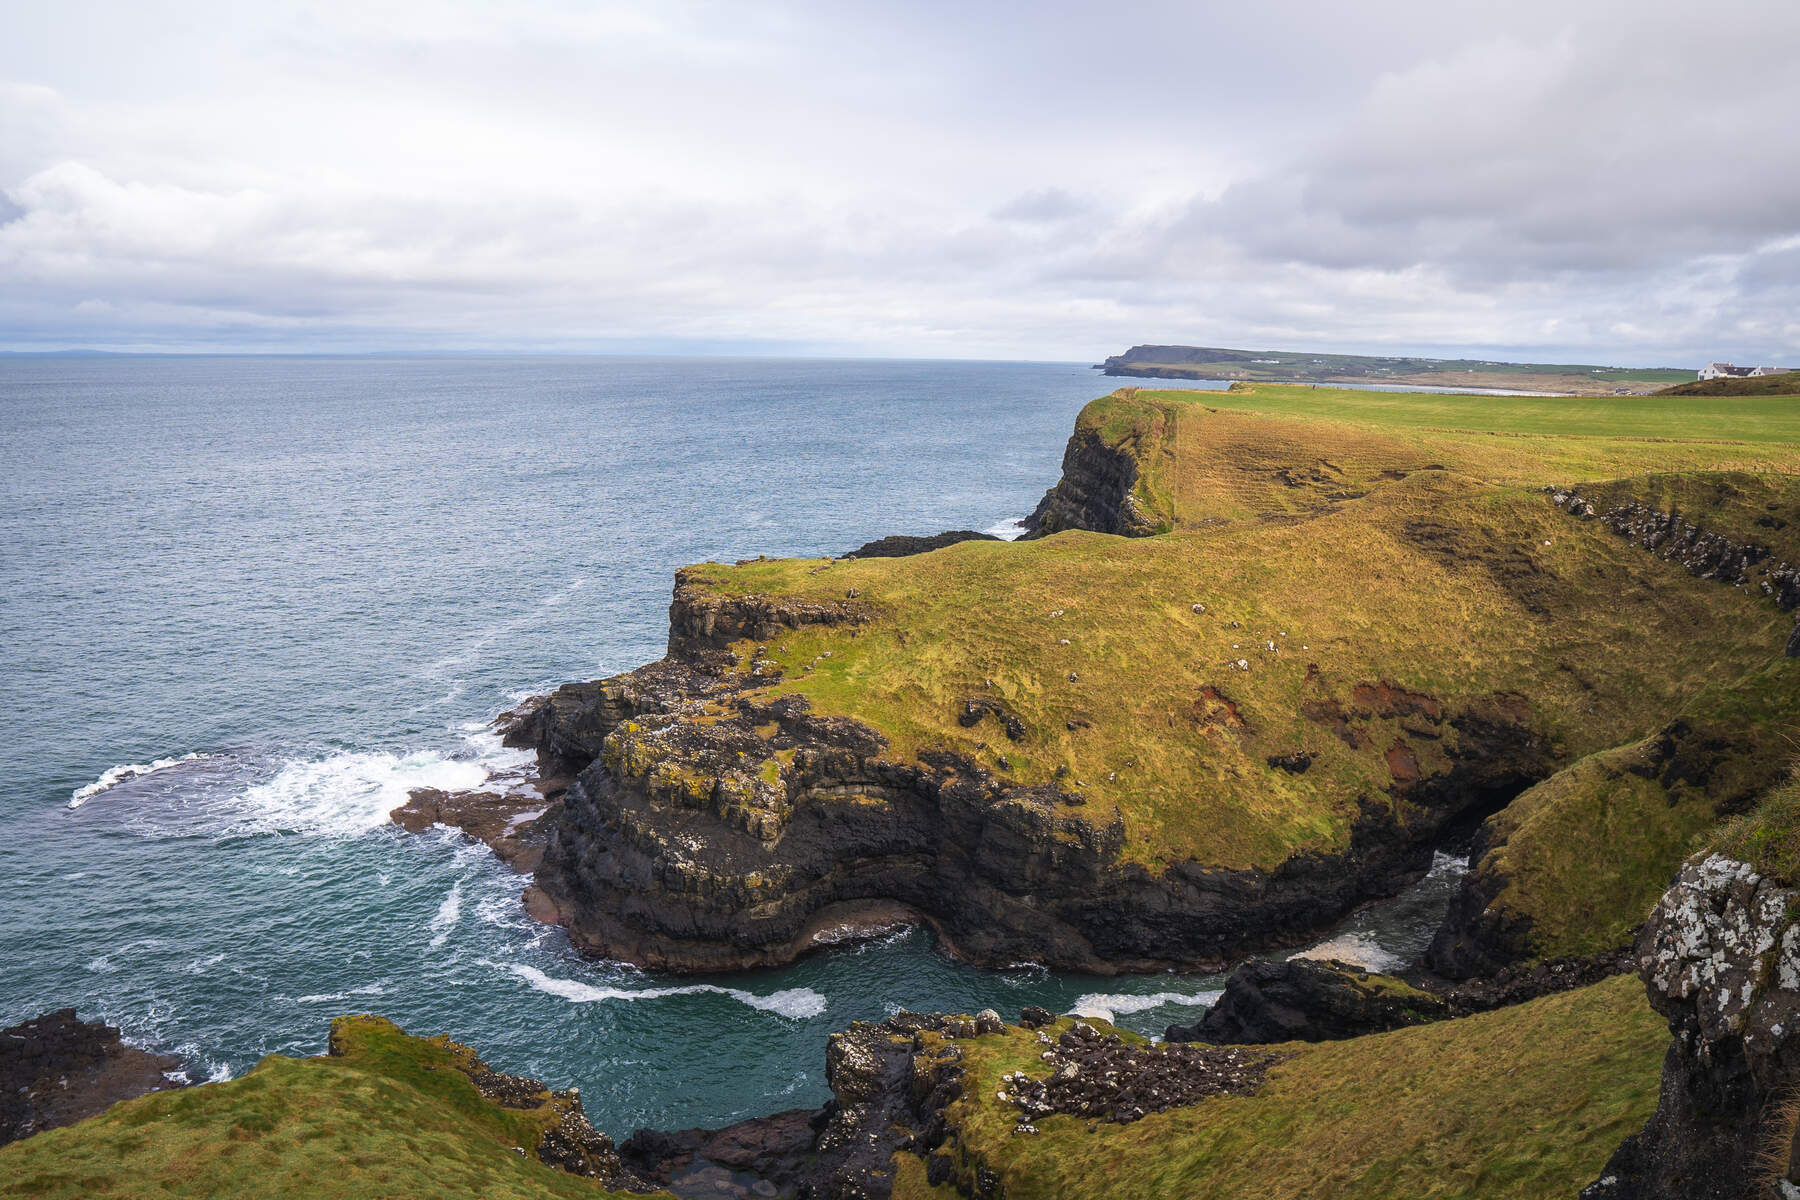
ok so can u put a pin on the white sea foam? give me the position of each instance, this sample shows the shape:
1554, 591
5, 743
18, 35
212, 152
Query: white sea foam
1108, 1006
1357, 949
448, 914
1447, 864
1009, 530
796, 1003
114, 776
348, 794
368, 989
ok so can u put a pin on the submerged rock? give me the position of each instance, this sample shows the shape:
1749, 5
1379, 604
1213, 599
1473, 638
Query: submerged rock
58, 1069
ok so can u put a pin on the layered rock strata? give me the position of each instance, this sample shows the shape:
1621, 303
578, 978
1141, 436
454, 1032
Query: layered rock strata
1094, 492
711, 827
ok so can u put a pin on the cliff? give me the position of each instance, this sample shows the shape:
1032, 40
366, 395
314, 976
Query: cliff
1352, 644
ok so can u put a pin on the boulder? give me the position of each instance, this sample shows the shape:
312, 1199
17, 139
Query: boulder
1301, 1000
1720, 958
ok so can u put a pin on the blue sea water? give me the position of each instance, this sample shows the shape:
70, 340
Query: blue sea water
247, 603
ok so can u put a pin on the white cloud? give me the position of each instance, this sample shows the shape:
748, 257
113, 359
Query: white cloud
1053, 180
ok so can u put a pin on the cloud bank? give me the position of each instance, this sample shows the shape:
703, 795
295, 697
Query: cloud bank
1605, 181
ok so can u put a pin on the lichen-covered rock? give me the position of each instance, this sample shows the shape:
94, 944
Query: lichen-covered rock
1720, 957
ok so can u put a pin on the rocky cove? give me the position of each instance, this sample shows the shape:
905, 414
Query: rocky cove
758, 795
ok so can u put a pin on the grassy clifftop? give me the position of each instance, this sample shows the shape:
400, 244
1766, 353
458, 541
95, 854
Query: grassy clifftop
1352, 580
384, 1115
1525, 1102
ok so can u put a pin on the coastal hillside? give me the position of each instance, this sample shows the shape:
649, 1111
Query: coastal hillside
1284, 366
1347, 629
383, 1114
1785, 384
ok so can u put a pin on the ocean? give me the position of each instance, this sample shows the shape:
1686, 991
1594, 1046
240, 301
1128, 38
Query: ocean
248, 603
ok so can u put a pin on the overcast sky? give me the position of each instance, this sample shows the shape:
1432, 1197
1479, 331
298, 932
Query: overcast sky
1577, 179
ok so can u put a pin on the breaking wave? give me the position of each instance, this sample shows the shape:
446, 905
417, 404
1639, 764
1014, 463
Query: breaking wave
1107, 1006
795, 1003
114, 776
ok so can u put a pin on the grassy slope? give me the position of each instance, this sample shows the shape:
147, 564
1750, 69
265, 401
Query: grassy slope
390, 1118
1768, 837
1524, 1102
1761, 385
1588, 851
1605, 640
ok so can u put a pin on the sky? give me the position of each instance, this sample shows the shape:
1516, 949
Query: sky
1578, 180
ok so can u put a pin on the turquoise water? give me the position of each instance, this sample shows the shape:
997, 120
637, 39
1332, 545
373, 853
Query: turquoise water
248, 603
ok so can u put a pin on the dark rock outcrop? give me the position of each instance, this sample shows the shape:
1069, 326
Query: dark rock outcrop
1720, 957
902, 545
701, 620
1302, 1000
890, 1084
1694, 762
1519, 982
515, 825
1095, 492
58, 1069
1704, 553
760, 830
1100, 1077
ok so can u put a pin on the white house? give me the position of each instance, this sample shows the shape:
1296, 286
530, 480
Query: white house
1721, 370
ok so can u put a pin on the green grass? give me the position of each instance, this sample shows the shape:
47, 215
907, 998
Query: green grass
390, 1117
1587, 852
1603, 641
1753, 421
1526, 1102
1768, 837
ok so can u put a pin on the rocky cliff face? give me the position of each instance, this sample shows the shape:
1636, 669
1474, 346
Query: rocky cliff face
711, 825
1720, 957
1705, 553
1095, 492
890, 1083
57, 1069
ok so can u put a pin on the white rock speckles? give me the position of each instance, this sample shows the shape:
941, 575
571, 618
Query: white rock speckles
1722, 939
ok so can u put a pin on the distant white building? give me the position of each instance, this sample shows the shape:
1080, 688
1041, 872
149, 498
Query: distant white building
1724, 370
